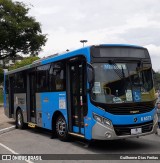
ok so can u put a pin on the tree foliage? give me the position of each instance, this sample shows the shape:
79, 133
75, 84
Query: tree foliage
24, 62
19, 33
157, 80
1, 76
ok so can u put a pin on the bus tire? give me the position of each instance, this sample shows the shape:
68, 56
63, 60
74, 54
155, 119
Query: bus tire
61, 128
19, 120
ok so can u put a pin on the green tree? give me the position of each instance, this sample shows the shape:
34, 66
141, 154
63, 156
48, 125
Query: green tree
1, 83
1, 76
19, 33
24, 62
157, 80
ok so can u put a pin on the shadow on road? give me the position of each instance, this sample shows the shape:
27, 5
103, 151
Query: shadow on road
128, 146
11, 123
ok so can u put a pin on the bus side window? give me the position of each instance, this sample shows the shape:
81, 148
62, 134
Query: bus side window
7, 85
19, 82
42, 77
57, 77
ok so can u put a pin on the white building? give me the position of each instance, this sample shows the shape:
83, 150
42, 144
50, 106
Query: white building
10, 61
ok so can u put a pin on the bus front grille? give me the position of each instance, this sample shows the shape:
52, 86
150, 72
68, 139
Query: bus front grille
121, 130
128, 110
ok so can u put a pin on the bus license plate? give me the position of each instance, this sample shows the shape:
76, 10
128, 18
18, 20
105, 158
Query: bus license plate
136, 131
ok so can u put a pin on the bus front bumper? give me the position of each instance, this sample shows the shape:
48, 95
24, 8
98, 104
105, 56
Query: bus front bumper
102, 132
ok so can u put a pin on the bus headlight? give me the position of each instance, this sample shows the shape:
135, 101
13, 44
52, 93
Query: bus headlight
107, 122
102, 120
97, 118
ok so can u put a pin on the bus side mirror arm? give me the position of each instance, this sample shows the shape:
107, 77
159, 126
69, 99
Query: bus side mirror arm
90, 76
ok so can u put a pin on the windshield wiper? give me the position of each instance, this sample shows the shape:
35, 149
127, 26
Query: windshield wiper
118, 71
139, 68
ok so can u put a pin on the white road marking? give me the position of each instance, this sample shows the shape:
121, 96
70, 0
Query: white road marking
12, 151
9, 149
5, 129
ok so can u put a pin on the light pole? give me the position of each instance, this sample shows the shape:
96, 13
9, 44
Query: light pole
83, 41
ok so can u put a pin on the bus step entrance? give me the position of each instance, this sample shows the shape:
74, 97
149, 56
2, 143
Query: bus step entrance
32, 125
75, 134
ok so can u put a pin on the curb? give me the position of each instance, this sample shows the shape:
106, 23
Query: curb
4, 130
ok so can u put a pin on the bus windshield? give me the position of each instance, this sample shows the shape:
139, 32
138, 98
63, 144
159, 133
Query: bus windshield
122, 83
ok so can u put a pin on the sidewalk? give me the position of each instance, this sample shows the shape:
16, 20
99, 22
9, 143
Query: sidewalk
5, 122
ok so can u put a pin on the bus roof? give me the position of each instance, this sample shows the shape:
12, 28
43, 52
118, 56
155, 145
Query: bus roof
67, 54
53, 58
123, 45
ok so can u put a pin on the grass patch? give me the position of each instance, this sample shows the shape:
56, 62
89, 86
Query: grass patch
1, 96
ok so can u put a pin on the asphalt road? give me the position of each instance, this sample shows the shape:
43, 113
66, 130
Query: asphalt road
37, 141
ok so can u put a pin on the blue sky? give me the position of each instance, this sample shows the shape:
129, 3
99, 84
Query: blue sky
98, 21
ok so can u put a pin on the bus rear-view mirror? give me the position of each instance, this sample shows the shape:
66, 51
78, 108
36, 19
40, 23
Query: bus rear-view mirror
90, 75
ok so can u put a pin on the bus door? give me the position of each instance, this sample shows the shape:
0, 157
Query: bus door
31, 83
76, 94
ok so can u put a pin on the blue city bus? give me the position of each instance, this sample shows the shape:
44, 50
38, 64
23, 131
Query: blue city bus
100, 92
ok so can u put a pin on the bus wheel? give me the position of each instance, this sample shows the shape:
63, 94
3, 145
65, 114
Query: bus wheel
19, 120
61, 128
